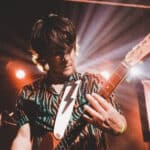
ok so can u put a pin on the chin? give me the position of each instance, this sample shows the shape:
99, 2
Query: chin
68, 72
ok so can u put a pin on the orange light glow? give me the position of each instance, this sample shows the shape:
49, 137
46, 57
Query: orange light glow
20, 74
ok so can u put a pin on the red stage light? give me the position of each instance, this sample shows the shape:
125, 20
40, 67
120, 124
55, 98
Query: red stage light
20, 74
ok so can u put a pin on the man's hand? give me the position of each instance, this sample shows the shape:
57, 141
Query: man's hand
103, 115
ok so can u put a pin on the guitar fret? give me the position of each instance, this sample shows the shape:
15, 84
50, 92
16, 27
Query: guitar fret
115, 79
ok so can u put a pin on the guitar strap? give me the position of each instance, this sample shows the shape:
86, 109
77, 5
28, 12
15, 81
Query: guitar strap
65, 108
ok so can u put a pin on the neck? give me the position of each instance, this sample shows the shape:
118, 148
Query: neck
55, 78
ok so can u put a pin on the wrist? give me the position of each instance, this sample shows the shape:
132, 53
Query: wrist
123, 128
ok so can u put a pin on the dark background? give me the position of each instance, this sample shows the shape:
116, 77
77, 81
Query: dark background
105, 34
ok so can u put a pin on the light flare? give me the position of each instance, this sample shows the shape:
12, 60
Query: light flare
20, 74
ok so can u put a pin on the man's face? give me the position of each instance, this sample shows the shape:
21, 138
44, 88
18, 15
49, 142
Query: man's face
62, 63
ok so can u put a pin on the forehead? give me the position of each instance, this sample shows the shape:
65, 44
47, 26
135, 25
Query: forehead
56, 50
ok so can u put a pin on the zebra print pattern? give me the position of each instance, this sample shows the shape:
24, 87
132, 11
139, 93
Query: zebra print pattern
38, 104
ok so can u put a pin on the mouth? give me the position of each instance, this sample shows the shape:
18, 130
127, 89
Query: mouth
67, 67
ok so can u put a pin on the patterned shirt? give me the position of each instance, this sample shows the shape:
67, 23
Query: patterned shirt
38, 104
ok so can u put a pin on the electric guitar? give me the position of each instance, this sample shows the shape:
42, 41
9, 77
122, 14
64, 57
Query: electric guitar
133, 57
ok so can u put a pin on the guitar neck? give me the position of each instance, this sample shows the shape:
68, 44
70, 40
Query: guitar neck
133, 57
116, 78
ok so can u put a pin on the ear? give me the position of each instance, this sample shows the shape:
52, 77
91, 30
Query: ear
46, 67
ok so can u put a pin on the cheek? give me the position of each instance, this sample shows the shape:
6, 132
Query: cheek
73, 56
73, 59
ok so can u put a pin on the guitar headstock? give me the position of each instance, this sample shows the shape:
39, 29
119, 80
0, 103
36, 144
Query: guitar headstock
138, 52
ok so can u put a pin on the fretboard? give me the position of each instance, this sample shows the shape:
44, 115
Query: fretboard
116, 78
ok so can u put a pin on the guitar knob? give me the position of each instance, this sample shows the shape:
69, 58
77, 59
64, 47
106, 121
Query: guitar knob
57, 136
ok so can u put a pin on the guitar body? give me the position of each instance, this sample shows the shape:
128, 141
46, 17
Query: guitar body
49, 142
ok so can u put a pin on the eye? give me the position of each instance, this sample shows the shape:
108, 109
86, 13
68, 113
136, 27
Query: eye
58, 52
58, 57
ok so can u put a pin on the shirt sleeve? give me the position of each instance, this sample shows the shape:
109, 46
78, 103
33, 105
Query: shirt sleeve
21, 116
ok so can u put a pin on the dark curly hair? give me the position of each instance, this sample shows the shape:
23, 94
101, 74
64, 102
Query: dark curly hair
52, 33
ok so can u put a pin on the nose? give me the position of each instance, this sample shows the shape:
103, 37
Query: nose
65, 57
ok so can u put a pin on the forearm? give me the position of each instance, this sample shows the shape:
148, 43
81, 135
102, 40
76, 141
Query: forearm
23, 139
21, 143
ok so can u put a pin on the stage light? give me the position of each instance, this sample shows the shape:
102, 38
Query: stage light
105, 74
20, 74
135, 71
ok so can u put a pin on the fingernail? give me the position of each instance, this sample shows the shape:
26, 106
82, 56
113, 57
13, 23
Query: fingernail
93, 93
87, 95
85, 107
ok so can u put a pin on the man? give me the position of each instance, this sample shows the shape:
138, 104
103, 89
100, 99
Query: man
63, 98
